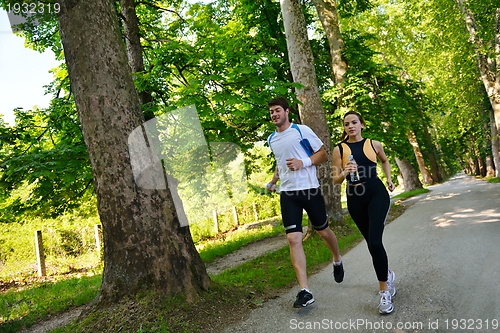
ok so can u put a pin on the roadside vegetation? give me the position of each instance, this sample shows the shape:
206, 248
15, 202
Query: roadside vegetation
493, 179
27, 300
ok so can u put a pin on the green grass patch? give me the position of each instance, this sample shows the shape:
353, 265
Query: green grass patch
274, 270
19, 308
68, 245
405, 195
493, 179
230, 242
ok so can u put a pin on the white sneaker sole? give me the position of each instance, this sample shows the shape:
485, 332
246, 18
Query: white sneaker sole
298, 306
386, 311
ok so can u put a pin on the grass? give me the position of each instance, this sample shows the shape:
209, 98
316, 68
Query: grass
234, 293
22, 308
230, 242
274, 270
493, 179
405, 195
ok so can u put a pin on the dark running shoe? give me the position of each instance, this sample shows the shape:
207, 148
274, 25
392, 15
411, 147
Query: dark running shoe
338, 272
304, 298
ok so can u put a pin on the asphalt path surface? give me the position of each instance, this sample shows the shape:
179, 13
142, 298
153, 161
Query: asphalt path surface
445, 251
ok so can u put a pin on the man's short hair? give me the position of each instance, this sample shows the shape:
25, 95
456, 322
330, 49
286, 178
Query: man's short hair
281, 101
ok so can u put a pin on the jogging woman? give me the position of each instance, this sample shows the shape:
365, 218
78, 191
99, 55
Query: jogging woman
368, 201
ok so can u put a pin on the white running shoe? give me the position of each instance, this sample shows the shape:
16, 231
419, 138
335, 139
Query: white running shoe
390, 282
385, 305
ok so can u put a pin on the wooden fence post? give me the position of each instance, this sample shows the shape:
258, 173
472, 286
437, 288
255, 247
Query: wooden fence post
98, 237
255, 212
216, 221
235, 216
40, 256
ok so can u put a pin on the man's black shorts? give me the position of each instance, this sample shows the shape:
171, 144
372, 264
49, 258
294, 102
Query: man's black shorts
294, 202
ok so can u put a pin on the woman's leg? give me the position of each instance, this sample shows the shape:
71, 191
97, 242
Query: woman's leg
378, 209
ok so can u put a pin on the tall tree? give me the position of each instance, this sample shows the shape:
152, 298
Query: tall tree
426, 41
327, 13
420, 160
311, 109
410, 175
488, 60
133, 43
144, 244
495, 146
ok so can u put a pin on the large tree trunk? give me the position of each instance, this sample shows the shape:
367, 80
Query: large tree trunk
144, 245
134, 47
420, 158
475, 166
495, 145
327, 13
410, 175
436, 173
496, 89
311, 111
132, 36
490, 168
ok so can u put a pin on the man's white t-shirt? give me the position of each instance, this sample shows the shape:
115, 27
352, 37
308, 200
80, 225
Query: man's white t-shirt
285, 145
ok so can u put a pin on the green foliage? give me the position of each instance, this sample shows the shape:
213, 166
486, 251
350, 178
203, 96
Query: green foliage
349, 8
44, 164
410, 67
484, 12
428, 43
266, 205
385, 101
69, 244
227, 59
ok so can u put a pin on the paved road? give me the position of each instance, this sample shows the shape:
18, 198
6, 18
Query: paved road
445, 251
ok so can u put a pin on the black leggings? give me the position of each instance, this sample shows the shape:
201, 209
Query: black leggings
369, 204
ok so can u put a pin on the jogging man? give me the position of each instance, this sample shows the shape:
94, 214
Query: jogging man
297, 150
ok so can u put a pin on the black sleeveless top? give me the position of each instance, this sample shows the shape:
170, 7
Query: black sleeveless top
365, 156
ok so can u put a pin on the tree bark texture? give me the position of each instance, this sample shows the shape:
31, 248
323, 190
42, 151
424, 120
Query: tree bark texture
497, 76
144, 245
327, 13
410, 175
133, 44
495, 145
311, 110
474, 162
432, 156
412, 138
